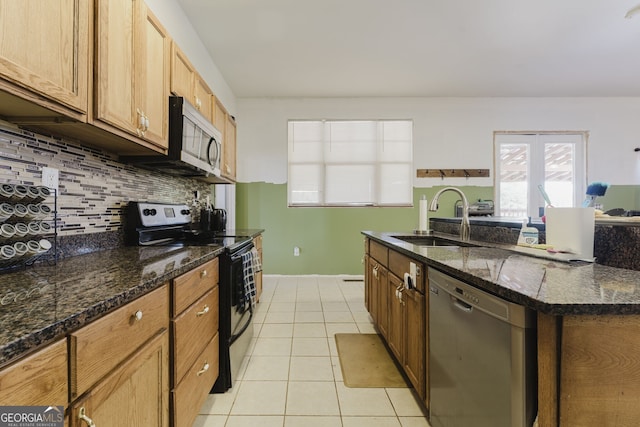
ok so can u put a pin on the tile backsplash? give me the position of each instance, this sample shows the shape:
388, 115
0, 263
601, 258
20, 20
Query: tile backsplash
94, 187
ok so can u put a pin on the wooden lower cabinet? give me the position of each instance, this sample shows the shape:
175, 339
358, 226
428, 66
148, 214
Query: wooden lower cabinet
372, 289
135, 394
395, 337
37, 380
588, 370
381, 283
414, 348
398, 313
195, 343
189, 396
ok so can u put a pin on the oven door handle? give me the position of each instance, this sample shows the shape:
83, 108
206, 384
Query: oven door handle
234, 337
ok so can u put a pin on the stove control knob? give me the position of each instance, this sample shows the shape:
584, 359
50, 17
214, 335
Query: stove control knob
146, 212
185, 212
153, 212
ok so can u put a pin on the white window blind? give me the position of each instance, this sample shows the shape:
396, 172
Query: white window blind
350, 162
524, 161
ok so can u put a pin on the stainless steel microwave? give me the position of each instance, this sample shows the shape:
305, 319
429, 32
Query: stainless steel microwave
195, 145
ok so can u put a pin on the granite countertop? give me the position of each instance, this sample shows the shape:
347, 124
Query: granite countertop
44, 303
542, 284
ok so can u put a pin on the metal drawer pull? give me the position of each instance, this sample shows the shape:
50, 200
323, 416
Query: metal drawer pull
83, 417
138, 315
204, 369
204, 311
203, 273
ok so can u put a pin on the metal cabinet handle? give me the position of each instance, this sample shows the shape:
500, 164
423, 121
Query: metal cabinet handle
375, 271
203, 273
204, 369
83, 417
204, 311
137, 315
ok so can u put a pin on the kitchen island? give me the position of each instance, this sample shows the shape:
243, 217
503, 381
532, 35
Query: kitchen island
588, 319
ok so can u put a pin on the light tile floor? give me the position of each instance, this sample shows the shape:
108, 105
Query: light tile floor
291, 376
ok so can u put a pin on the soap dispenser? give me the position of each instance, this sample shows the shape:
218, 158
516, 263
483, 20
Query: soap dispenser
528, 235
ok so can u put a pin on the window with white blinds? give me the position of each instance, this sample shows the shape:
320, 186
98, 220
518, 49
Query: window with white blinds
350, 162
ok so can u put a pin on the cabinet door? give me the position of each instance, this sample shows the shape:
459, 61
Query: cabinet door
98, 347
45, 47
203, 98
228, 167
396, 318
372, 288
193, 330
414, 344
135, 394
115, 68
383, 301
37, 380
152, 77
220, 118
182, 74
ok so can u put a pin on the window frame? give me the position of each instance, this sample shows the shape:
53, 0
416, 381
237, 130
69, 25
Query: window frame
536, 141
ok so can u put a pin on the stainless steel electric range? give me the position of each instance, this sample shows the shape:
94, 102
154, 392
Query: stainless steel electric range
150, 224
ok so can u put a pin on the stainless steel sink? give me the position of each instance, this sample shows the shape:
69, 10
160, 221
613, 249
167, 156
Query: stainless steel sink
433, 241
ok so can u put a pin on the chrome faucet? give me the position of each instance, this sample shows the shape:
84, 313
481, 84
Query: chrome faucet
465, 227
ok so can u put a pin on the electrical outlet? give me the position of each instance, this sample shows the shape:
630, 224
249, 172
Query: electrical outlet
296, 251
50, 178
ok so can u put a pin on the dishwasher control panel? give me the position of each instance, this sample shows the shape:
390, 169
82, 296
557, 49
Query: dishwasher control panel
474, 297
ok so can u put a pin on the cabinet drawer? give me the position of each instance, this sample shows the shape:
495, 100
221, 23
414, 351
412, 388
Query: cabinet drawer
379, 252
189, 396
37, 380
192, 285
98, 347
192, 330
399, 264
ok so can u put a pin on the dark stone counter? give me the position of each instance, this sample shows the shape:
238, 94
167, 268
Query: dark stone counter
616, 240
540, 283
43, 303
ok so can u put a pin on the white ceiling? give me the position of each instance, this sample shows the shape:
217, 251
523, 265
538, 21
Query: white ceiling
359, 48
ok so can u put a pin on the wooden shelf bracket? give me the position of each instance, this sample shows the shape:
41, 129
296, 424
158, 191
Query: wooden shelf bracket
452, 173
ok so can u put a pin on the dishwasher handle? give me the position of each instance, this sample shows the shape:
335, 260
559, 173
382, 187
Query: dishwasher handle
461, 305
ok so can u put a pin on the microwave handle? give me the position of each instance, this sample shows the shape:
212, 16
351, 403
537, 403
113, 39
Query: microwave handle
216, 158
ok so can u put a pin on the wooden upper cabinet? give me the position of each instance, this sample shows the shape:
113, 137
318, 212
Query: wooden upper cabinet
203, 98
219, 116
228, 167
132, 69
226, 124
153, 76
182, 74
114, 70
186, 82
44, 48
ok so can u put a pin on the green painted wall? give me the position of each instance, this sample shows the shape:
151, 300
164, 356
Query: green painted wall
329, 238
621, 196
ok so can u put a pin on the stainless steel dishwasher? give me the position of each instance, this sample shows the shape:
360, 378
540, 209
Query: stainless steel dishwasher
482, 357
